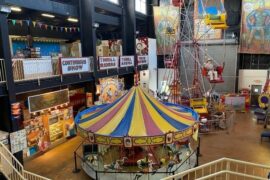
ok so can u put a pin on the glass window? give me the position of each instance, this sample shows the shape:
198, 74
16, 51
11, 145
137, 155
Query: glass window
141, 6
114, 1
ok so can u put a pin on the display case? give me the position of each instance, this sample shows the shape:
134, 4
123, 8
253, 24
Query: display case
56, 127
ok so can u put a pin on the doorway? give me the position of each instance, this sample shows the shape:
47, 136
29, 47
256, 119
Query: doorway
256, 91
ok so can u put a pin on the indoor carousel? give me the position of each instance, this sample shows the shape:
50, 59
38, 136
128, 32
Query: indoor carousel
137, 137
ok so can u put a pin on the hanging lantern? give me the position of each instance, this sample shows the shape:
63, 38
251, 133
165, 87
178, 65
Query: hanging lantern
97, 89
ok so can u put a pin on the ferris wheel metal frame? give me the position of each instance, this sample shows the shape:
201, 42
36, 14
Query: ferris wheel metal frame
187, 43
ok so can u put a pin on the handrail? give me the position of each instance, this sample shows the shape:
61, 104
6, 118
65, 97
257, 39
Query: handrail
7, 162
16, 166
231, 173
227, 169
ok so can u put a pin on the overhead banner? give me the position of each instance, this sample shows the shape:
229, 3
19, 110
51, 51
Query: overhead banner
201, 30
166, 28
48, 100
108, 62
255, 27
143, 60
75, 65
126, 61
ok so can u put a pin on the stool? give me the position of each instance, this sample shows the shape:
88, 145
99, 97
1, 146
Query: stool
260, 118
265, 134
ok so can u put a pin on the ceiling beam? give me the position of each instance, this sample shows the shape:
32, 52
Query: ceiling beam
107, 6
106, 19
46, 6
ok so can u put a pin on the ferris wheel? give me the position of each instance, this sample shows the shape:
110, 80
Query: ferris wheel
188, 64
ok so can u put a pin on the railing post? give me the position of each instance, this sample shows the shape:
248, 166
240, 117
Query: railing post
76, 169
96, 175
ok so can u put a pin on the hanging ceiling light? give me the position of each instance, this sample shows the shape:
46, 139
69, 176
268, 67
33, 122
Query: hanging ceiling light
47, 15
72, 20
15, 9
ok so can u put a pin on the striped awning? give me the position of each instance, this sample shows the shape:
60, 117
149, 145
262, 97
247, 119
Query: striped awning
137, 115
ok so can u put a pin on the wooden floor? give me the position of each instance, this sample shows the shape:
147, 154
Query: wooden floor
242, 143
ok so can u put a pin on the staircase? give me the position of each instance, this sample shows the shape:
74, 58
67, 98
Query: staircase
225, 169
12, 169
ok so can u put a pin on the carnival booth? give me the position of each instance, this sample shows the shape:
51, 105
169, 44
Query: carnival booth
137, 136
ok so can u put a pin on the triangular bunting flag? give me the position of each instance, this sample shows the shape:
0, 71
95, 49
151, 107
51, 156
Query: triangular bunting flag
66, 29
51, 27
40, 25
46, 26
27, 22
70, 29
195, 132
20, 22
13, 22
34, 23
74, 29
78, 29
61, 28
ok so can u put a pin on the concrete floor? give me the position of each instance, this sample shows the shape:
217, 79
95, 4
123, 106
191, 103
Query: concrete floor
242, 143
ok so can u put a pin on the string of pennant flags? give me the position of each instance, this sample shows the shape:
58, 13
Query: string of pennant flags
44, 26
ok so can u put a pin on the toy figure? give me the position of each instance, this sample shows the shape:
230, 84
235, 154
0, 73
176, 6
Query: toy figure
212, 73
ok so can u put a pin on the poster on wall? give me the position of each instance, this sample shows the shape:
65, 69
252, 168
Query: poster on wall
142, 46
201, 30
18, 141
48, 100
75, 65
166, 26
108, 63
111, 89
255, 27
142, 60
126, 61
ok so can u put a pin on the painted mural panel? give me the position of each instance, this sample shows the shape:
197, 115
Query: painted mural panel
201, 30
255, 27
166, 27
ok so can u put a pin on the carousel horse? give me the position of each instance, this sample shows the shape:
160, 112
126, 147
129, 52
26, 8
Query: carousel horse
115, 165
143, 163
176, 160
93, 160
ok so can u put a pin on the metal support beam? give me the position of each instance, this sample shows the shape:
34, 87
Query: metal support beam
150, 20
11, 124
110, 7
129, 27
129, 33
46, 6
88, 32
106, 19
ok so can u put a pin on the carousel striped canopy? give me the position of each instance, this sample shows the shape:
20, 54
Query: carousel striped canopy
136, 114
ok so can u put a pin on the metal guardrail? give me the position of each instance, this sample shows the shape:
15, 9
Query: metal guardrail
3, 76
13, 169
226, 169
131, 175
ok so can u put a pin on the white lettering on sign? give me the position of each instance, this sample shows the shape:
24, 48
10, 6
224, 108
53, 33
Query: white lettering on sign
142, 60
126, 61
108, 62
75, 65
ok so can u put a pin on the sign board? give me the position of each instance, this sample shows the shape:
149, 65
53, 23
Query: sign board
18, 141
75, 65
143, 60
48, 100
108, 62
126, 61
